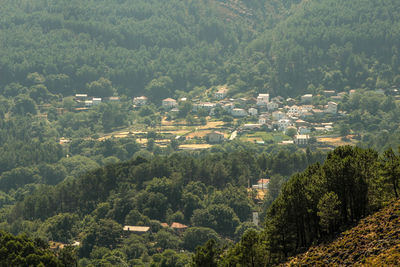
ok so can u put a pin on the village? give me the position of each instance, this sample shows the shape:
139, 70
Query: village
307, 120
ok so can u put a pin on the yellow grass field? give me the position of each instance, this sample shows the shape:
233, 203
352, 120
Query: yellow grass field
336, 141
194, 146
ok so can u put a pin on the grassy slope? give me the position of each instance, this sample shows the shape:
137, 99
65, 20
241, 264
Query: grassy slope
375, 241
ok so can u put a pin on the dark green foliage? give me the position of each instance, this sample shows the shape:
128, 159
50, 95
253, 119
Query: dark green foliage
22, 251
322, 200
196, 236
208, 255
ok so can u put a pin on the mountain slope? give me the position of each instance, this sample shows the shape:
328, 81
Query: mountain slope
130, 43
375, 241
329, 44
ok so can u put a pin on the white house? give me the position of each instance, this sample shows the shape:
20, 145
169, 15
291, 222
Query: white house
301, 139
262, 120
140, 101
262, 99
278, 115
238, 112
96, 100
283, 124
253, 111
204, 105
332, 107
221, 93
307, 98
272, 105
261, 184
169, 103
88, 103
81, 97
293, 111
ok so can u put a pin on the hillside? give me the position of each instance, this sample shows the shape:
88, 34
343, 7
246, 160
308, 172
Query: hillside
177, 47
375, 241
328, 44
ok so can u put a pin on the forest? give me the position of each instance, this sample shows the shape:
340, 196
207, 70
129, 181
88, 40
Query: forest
206, 191
313, 206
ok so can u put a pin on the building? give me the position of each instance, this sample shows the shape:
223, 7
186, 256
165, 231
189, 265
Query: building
169, 103
278, 115
283, 124
215, 137
293, 111
272, 106
96, 101
307, 98
178, 227
262, 99
238, 112
304, 130
332, 107
262, 120
140, 101
251, 126
88, 103
221, 93
203, 105
301, 139
261, 184
136, 229
253, 111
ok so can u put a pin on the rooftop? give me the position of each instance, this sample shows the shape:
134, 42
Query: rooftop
142, 229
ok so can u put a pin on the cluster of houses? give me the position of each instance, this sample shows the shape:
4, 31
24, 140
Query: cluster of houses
85, 101
276, 114
271, 114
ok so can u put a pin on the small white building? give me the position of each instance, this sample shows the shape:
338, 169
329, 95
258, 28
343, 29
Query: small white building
81, 97
169, 103
262, 99
96, 101
278, 115
261, 184
88, 103
332, 107
221, 93
283, 124
301, 139
253, 111
238, 112
140, 101
307, 98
